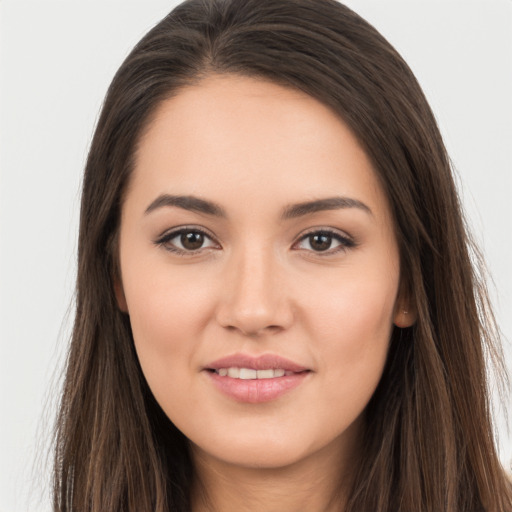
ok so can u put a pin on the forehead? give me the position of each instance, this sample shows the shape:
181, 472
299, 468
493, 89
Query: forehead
230, 136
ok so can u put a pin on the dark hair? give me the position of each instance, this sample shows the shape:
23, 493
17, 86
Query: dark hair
428, 439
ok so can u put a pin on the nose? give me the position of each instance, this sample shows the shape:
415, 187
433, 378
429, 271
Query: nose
254, 301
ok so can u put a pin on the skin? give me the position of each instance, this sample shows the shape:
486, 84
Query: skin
259, 286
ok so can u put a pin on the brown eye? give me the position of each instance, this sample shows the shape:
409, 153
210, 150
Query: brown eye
186, 241
320, 241
325, 241
192, 240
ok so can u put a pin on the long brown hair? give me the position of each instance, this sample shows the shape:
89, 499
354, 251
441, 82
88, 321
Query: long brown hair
428, 439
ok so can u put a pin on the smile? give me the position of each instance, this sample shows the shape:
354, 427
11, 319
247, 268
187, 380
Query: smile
250, 373
248, 379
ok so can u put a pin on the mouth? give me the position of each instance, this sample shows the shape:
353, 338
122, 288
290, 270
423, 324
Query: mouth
245, 364
251, 379
251, 374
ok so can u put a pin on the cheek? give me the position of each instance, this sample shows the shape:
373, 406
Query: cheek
352, 322
356, 310
167, 314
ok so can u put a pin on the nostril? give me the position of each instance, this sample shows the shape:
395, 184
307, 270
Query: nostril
254, 332
254, 319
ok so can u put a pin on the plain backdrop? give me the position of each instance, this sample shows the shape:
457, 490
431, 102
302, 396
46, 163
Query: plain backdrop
57, 59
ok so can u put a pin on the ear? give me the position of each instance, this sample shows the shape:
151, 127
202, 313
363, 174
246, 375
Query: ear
120, 297
406, 312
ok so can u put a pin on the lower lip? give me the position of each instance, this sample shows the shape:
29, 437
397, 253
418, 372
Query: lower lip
255, 391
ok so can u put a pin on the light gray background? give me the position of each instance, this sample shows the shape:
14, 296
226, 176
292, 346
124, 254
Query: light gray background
57, 59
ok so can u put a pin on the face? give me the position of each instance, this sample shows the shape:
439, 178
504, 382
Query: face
260, 272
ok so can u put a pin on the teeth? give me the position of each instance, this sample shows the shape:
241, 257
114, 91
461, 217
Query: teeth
246, 373
250, 374
234, 373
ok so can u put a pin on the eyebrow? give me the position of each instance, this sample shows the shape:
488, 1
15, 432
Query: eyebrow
191, 203
318, 205
292, 211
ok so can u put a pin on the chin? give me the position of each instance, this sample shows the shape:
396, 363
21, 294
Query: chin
257, 455
270, 448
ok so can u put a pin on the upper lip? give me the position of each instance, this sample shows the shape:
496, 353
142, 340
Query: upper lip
263, 362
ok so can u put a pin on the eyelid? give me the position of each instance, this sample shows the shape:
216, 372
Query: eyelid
163, 239
346, 241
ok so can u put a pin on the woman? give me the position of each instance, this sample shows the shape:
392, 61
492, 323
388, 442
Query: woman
276, 306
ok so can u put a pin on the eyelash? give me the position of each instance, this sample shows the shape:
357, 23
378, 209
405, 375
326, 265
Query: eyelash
344, 241
164, 240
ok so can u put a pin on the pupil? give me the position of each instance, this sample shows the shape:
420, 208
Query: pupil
192, 240
320, 242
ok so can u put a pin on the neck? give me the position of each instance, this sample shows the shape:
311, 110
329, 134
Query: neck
318, 483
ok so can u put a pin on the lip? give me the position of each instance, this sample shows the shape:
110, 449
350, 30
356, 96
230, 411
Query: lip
255, 391
263, 362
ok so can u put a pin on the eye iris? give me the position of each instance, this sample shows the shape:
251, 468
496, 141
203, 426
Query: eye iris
320, 242
192, 240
